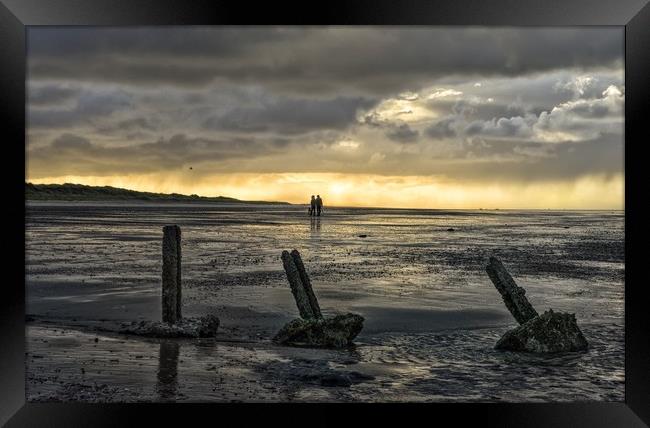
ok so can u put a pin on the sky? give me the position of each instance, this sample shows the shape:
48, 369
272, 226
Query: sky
417, 117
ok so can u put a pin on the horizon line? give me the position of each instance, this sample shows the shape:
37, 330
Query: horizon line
336, 206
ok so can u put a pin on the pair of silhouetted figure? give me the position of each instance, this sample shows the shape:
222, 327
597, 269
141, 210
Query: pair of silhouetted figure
316, 205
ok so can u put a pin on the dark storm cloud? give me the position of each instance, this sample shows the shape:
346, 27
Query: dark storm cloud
592, 110
516, 161
73, 154
371, 58
504, 151
50, 94
156, 42
71, 141
487, 111
442, 129
497, 127
563, 161
291, 116
87, 106
503, 127
465, 103
403, 134
137, 124
504, 159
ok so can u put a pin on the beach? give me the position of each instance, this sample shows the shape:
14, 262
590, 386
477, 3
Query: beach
418, 277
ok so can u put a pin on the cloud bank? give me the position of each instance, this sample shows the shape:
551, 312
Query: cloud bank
508, 107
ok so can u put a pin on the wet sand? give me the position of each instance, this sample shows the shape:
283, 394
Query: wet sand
432, 315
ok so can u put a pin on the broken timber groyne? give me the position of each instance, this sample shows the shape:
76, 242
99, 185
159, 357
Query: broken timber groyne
546, 333
312, 329
173, 324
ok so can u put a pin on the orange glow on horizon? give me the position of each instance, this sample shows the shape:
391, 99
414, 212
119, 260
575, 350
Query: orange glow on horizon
592, 192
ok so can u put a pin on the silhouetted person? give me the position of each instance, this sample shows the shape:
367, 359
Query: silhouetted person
319, 205
312, 206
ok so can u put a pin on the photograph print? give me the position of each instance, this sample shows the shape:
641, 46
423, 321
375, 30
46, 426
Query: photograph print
324, 214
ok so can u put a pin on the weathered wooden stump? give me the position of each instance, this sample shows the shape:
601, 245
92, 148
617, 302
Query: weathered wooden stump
546, 333
306, 283
312, 329
513, 296
297, 287
171, 274
173, 325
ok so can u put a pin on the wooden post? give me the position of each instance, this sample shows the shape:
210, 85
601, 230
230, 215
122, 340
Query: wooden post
171, 274
306, 282
297, 288
513, 296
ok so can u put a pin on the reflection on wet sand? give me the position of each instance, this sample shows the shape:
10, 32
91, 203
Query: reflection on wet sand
315, 227
168, 370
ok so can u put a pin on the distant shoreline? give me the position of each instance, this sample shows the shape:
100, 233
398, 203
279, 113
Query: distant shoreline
69, 192
82, 193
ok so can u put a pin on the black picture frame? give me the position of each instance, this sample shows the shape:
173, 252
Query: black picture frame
16, 15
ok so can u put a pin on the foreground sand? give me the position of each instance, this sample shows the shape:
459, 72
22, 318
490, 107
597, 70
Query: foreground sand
403, 354
432, 316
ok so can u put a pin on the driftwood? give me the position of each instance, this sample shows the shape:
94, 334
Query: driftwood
513, 296
171, 274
